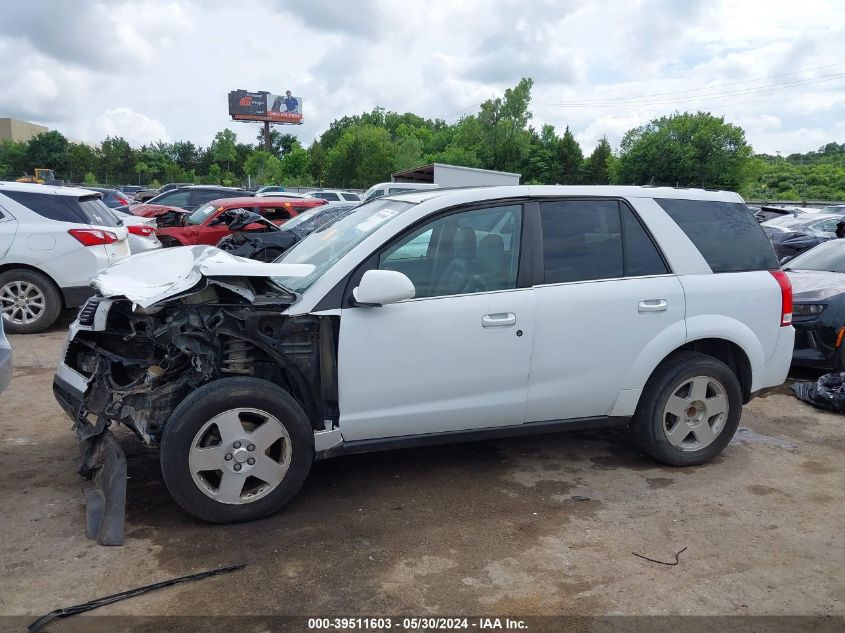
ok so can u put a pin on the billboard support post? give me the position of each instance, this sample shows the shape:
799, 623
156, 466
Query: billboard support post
268, 146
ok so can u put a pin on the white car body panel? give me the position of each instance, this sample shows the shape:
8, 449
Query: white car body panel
147, 278
429, 365
584, 329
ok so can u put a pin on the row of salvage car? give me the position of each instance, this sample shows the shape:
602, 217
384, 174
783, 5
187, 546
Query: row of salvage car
54, 240
810, 248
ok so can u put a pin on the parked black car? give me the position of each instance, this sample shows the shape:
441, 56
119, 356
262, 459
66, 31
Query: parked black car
113, 198
793, 235
268, 244
194, 196
818, 312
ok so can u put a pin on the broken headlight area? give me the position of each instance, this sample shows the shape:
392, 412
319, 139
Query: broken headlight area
143, 362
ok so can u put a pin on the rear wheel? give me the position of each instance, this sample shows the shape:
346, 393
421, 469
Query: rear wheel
236, 449
689, 410
29, 301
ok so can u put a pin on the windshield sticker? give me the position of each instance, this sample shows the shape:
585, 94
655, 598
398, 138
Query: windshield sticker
380, 217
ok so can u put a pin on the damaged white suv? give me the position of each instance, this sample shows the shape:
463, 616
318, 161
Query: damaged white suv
434, 316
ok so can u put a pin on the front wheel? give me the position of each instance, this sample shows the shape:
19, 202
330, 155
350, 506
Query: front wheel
689, 410
236, 449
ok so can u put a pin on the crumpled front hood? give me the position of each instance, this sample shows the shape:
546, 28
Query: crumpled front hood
150, 277
815, 285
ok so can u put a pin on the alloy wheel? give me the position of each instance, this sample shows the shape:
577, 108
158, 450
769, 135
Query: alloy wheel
695, 413
21, 302
240, 455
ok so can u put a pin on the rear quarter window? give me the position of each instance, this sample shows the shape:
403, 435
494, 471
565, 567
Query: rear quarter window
726, 234
85, 210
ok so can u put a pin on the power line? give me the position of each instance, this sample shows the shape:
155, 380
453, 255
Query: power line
689, 90
704, 96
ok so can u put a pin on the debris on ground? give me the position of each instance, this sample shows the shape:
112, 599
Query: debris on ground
828, 392
661, 562
123, 595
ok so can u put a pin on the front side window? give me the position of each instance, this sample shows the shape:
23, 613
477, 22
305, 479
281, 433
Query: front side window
461, 253
350, 197
274, 214
201, 214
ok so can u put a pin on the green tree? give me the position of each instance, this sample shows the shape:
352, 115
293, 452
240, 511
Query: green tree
409, 152
597, 167
317, 161
698, 150
117, 161
362, 156
13, 159
567, 159
503, 125
223, 148
50, 150
81, 159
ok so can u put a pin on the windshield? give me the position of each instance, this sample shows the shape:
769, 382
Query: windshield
826, 256
324, 248
199, 216
303, 217
785, 221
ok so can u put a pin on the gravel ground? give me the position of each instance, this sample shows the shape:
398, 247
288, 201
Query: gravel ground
530, 526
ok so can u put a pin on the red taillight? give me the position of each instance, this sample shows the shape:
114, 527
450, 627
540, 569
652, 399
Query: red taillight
140, 229
785, 296
122, 201
93, 237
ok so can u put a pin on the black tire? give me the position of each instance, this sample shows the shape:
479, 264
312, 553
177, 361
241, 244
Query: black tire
648, 422
204, 404
168, 242
52, 300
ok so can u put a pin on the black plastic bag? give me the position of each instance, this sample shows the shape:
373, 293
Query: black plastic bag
828, 392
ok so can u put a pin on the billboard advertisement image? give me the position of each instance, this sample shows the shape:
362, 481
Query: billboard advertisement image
264, 106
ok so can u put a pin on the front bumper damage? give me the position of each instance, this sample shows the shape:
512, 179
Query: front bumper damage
130, 361
102, 468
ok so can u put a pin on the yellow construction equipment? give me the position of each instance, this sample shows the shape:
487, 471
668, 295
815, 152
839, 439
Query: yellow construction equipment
41, 176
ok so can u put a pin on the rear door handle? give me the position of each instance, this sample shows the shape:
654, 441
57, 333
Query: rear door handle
498, 319
652, 305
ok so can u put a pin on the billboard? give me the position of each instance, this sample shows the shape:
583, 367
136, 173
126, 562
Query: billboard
264, 106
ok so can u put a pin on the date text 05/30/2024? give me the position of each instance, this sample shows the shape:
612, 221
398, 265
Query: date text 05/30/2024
416, 624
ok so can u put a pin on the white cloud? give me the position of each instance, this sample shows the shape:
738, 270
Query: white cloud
135, 127
152, 69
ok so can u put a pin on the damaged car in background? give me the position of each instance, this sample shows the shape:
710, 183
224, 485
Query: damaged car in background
422, 318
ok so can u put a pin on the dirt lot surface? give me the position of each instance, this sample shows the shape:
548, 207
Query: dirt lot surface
498, 527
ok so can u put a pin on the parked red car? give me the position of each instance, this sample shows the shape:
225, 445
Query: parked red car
177, 227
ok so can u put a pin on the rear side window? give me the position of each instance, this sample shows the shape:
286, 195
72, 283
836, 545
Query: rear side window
595, 239
726, 233
85, 210
350, 197
641, 255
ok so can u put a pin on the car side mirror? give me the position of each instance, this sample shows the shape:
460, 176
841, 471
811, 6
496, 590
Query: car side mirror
380, 287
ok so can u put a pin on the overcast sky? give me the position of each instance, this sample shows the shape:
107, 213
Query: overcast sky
158, 69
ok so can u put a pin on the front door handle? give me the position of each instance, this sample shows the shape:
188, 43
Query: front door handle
498, 319
652, 305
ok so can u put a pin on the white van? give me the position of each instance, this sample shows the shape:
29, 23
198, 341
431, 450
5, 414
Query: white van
392, 188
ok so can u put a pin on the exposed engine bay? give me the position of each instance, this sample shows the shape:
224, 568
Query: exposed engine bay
140, 363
